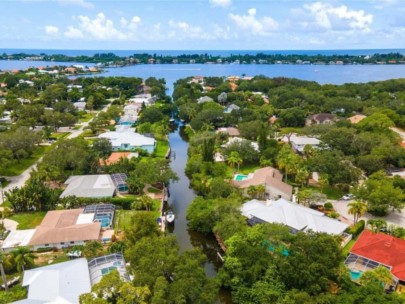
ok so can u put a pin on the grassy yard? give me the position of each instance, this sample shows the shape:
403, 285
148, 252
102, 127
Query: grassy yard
24, 164
86, 117
28, 220
349, 246
330, 192
123, 218
161, 148
58, 136
243, 169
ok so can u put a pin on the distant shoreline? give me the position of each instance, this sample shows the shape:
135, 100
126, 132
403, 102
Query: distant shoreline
112, 60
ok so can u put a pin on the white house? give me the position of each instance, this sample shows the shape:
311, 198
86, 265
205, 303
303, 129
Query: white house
80, 105
128, 140
146, 99
298, 143
204, 99
17, 238
295, 216
59, 283
93, 186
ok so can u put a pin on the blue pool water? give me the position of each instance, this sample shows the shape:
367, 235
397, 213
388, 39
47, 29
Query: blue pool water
240, 177
355, 274
107, 270
104, 220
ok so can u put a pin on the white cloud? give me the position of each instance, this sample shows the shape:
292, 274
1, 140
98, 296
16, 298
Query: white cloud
262, 27
73, 33
81, 3
99, 28
320, 15
51, 30
181, 30
221, 3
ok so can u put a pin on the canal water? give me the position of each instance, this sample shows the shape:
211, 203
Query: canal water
181, 195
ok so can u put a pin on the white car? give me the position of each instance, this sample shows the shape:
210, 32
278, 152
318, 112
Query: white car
347, 197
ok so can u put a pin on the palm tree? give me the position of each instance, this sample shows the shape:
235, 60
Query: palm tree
234, 158
357, 209
23, 258
3, 275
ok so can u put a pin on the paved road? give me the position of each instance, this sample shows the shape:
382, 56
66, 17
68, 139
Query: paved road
399, 132
393, 218
19, 181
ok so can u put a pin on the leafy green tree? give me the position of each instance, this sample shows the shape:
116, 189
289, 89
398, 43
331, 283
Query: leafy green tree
3, 274
102, 147
142, 225
380, 274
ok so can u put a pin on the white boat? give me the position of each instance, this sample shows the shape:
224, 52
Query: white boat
171, 120
170, 217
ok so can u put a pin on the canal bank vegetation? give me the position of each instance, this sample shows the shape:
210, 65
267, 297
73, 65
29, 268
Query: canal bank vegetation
266, 263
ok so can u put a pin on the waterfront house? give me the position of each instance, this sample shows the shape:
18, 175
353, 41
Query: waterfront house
92, 186
128, 140
270, 178
296, 217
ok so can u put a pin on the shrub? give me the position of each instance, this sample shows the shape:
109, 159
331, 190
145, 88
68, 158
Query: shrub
358, 228
328, 206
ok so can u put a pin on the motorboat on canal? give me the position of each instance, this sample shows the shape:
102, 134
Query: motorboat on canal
170, 217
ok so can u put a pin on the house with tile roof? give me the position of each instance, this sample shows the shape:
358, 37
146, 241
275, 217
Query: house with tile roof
269, 177
65, 228
378, 249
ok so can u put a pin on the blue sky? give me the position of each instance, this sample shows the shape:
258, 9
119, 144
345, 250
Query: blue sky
202, 24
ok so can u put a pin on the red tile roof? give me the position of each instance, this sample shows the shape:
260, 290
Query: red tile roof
384, 249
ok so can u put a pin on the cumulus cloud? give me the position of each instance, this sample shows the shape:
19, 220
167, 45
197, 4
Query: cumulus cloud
102, 28
262, 27
181, 30
51, 30
221, 3
319, 15
73, 33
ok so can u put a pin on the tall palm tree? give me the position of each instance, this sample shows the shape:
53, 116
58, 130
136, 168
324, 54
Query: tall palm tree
23, 258
357, 209
3, 275
234, 158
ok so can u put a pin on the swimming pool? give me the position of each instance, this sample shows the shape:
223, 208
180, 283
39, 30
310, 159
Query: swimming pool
104, 220
355, 274
240, 177
107, 270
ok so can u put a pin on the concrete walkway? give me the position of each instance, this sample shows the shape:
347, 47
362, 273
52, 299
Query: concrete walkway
10, 224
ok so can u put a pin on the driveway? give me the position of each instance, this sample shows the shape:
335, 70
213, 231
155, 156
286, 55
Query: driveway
393, 218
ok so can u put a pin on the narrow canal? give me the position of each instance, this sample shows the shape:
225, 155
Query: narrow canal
181, 195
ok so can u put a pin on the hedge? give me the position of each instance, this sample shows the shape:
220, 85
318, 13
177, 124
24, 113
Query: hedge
357, 229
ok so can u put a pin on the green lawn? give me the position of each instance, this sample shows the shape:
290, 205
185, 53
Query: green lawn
24, 164
347, 248
28, 220
330, 192
86, 117
243, 169
161, 148
58, 136
123, 218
